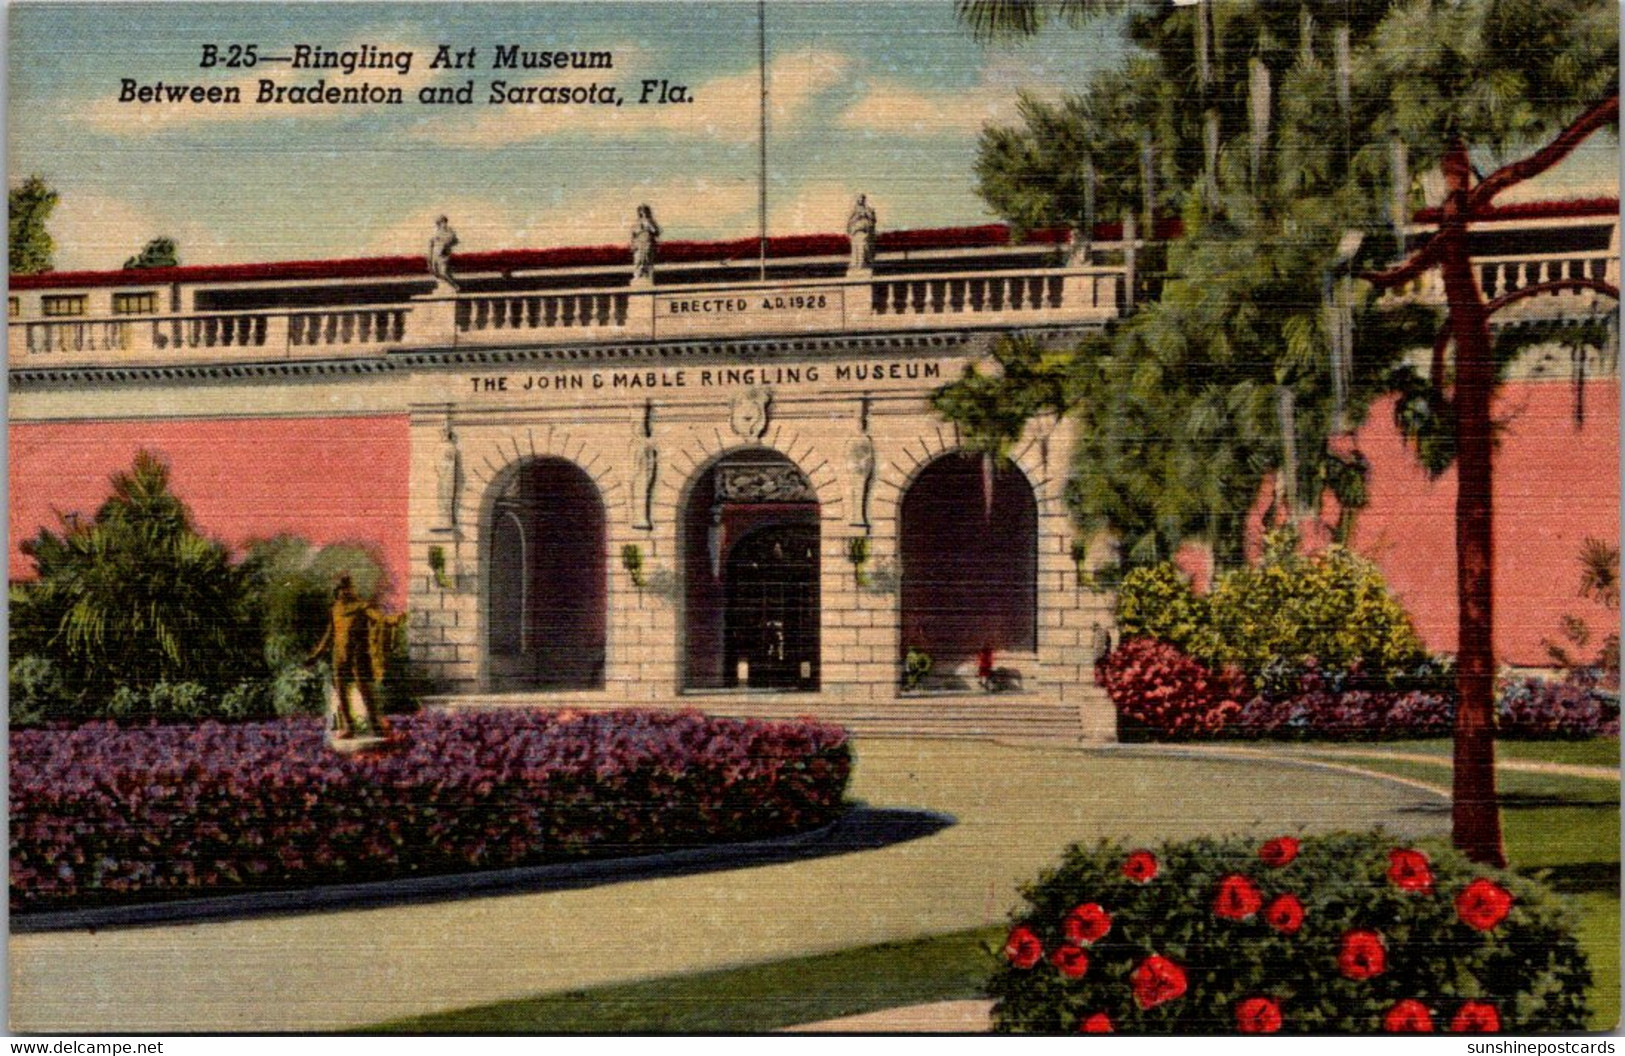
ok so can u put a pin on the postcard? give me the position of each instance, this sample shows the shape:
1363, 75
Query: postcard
713, 517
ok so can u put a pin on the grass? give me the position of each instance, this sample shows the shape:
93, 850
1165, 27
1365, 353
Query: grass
744, 1000
1560, 828
1565, 831
1601, 751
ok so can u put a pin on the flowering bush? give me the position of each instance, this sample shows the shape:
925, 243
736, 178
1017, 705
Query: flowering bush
1348, 933
101, 814
1351, 715
1160, 690
1534, 707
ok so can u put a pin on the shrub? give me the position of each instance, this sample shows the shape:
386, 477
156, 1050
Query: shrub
102, 814
1537, 708
36, 691
1159, 602
1349, 933
1350, 715
1160, 690
1331, 607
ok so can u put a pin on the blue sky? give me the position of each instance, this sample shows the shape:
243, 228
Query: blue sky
885, 99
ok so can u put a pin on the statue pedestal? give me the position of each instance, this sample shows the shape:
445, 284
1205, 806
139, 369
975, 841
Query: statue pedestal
358, 721
433, 320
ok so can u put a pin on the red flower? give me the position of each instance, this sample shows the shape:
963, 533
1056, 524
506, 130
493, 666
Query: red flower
1408, 871
1099, 1023
1483, 904
1141, 867
1408, 1017
1157, 980
1087, 924
1278, 852
1071, 960
1023, 948
1258, 1015
1475, 1017
1238, 898
1285, 914
1362, 956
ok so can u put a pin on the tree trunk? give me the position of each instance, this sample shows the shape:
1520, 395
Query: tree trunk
1476, 817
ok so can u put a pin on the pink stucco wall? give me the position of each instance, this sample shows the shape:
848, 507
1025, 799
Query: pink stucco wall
329, 480
1556, 482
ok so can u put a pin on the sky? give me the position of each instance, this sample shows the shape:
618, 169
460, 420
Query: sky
885, 99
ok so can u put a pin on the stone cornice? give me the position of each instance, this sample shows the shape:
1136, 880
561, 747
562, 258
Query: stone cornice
413, 360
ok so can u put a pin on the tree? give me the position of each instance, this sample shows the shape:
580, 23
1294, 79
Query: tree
136, 596
158, 253
30, 207
1309, 150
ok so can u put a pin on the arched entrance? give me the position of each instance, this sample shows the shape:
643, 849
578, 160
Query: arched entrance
969, 547
546, 580
750, 572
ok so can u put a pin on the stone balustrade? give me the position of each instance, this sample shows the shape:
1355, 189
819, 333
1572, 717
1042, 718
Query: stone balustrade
1049, 296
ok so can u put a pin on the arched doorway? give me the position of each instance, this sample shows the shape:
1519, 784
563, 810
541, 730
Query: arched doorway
969, 547
750, 572
546, 581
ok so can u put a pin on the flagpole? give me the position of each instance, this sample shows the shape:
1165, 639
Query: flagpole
761, 182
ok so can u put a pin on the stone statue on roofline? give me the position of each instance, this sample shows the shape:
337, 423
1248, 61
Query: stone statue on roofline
441, 244
860, 228
645, 237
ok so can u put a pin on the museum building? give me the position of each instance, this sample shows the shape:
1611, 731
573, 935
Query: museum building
698, 475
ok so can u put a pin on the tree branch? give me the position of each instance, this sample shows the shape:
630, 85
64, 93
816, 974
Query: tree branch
1404, 272
1607, 289
1516, 172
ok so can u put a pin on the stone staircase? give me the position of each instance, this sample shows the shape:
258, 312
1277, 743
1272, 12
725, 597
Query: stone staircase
1002, 716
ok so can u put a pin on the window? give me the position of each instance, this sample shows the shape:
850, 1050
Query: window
63, 304
135, 303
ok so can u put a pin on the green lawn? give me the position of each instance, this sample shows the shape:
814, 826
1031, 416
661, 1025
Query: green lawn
1603, 751
1562, 828
745, 1000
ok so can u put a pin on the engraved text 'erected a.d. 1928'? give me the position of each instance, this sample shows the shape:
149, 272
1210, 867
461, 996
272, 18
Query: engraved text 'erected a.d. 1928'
798, 309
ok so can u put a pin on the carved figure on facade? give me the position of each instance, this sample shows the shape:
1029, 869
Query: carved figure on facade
645, 238
747, 415
860, 228
645, 470
448, 477
441, 243
860, 462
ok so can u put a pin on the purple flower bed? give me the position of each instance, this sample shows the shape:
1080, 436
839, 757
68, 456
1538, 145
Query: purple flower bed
103, 815
1537, 708
1350, 715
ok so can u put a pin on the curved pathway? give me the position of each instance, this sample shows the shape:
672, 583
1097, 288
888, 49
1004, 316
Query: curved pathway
1017, 808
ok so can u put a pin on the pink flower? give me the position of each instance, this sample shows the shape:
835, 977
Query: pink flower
1023, 948
1408, 870
1141, 867
1258, 1015
1409, 1016
1087, 924
1278, 852
1483, 904
1156, 981
1238, 898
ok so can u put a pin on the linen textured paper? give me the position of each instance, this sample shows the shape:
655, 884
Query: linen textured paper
714, 517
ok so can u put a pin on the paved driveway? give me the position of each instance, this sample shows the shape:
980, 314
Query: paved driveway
1017, 807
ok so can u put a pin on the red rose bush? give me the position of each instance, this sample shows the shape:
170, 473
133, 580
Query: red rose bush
102, 814
1353, 933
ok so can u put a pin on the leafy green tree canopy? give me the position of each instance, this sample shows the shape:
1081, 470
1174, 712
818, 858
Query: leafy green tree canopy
30, 207
158, 253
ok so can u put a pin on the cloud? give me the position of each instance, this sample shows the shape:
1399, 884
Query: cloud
724, 108
889, 108
99, 232
107, 114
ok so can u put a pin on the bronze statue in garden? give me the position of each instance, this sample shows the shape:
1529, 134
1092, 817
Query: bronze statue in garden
356, 642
